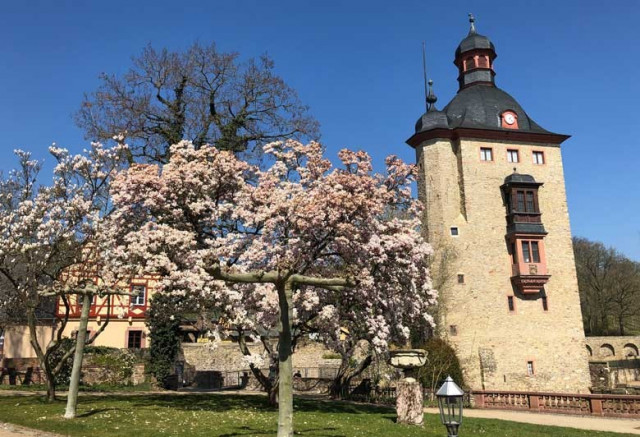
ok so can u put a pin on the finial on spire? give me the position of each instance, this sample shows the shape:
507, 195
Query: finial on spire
431, 98
472, 24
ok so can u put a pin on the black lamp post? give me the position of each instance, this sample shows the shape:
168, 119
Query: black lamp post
450, 403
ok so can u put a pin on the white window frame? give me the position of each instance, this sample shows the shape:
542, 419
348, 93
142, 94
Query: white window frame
535, 155
134, 299
530, 368
511, 153
486, 152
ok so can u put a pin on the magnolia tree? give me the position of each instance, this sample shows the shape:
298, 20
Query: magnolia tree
43, 231
266, 246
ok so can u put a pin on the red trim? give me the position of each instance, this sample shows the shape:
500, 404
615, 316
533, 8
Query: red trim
488, 134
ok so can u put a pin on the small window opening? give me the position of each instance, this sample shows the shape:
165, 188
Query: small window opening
538, 157
460, 279
486, 154
453, 330
454, 231
134, 339
530, 370
512, 305
513, 156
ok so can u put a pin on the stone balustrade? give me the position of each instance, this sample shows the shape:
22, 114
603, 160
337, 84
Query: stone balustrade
567, 403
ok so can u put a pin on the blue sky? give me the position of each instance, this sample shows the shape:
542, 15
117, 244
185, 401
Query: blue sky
573, 66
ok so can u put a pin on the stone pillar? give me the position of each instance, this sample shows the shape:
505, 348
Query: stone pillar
409, 405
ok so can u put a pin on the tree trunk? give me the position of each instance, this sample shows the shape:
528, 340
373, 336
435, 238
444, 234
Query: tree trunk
42, 358
74, 383
621, 324
51, 385
340, 385
285, 380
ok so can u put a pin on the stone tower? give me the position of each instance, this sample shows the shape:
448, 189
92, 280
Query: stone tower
493, 185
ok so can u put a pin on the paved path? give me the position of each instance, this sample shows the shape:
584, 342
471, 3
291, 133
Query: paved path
629, 426
9, 430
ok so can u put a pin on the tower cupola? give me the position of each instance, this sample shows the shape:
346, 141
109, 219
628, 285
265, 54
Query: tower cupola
474, 58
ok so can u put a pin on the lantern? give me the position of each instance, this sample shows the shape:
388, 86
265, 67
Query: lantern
450, 403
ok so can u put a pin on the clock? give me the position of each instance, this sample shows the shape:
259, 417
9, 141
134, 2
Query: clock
509, 118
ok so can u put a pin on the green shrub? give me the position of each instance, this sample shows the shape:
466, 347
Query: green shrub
441, 362
164, 333
63, 377
116, 363
331, 356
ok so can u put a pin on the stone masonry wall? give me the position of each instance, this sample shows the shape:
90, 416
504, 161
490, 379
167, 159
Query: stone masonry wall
226, 357
494, 344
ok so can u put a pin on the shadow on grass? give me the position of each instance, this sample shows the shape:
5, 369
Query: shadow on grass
221, 403
248, 431
97, 411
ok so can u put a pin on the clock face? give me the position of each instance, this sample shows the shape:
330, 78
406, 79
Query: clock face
509, 118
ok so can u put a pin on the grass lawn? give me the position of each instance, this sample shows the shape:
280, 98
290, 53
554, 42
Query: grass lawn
234, 415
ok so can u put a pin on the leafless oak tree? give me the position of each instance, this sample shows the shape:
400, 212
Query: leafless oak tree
199, 94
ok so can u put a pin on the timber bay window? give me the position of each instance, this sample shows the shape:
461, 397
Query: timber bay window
513, 156
134, 340
526, 201
486, 154
538, 158
140, 296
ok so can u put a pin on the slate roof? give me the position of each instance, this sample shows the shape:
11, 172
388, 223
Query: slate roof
474, 41
517, 178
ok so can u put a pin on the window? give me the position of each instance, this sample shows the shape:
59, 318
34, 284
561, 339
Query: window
134, 339
535, 252
454, 231
460, 279
469, 63
140, 297
486, 154
538, 157
545, 304
530, 371
526, 201
530, 251
512, 156
520, 197
483, 62
511, 303
526, 255
453, 330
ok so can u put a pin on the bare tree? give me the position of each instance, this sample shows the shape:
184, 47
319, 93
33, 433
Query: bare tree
609, 286
199, 94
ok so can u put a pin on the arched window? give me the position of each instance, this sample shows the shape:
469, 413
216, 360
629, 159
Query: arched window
606, 350
630, 350
483, 62
470, 63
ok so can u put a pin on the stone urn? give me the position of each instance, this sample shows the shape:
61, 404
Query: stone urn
409, 399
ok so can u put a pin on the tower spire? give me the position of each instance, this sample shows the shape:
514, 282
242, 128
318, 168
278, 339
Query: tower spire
472, 24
